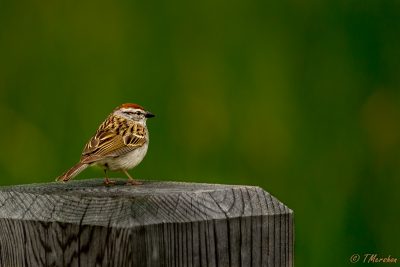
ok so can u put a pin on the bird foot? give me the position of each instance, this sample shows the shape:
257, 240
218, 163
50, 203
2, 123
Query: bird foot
133, 182
109, 182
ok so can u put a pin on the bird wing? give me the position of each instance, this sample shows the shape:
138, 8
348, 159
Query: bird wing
115, 137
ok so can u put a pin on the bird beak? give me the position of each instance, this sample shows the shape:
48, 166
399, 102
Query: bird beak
149, 115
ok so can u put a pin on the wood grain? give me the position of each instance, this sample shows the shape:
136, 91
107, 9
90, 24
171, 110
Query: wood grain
83, 223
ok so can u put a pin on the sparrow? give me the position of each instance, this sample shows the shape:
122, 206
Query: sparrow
119, 144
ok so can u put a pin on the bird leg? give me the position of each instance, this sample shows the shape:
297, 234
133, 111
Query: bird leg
107, 181
131, 181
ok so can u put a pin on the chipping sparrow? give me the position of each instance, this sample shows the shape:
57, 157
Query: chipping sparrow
119, 144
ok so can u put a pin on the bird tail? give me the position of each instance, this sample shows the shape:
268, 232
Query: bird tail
71, 173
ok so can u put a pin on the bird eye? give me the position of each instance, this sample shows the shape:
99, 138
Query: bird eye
137, 112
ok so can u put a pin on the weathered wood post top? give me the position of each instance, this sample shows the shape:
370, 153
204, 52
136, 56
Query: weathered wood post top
84, 223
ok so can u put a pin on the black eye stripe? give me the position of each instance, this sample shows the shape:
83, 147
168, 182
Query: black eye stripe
131, 112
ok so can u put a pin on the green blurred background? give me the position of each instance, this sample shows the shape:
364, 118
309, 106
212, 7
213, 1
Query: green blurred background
299, 97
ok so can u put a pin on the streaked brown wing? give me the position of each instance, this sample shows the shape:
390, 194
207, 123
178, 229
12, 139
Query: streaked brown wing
113, 142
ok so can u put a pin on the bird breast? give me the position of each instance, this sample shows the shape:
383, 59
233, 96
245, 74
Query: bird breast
126, 161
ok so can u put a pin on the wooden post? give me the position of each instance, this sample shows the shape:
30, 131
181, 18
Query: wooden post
83, 223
